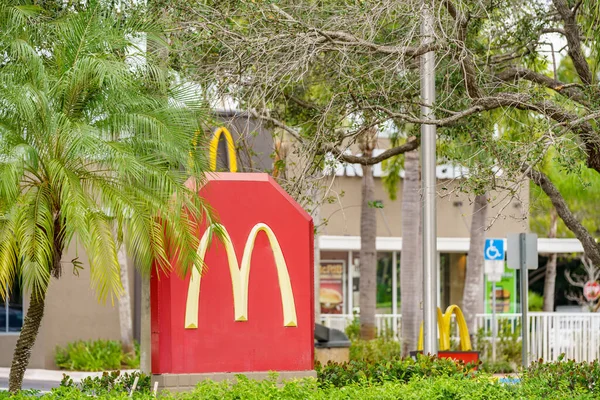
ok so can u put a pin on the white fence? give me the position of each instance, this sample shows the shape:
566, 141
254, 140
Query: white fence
577, 335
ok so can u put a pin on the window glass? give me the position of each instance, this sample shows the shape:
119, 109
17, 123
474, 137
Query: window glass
384, 282
11, 312
15, 308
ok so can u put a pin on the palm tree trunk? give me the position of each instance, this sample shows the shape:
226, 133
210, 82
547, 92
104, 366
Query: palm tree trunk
368, 257
29, 331
473, 292
411, 269
316, 214
125, 321
550, 279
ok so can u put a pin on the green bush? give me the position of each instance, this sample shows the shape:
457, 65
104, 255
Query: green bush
564, 375
535, 301
374, 351
508, 348
110, 382
96, 355
401, 370
425, 378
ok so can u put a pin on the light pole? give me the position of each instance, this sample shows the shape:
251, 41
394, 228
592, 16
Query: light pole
428, 166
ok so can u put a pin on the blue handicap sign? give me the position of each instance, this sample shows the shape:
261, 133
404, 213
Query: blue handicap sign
494, 249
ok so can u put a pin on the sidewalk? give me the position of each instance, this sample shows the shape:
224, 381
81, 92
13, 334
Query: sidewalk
48, 375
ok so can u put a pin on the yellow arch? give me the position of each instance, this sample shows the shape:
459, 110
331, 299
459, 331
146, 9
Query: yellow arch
240, 277
440, 330
444, 329
214, 145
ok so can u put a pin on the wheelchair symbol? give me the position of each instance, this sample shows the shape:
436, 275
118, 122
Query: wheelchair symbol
492, 251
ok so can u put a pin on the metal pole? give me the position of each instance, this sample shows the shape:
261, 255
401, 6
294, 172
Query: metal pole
395, 294
350, 285
428, 166
494, 327
524, 300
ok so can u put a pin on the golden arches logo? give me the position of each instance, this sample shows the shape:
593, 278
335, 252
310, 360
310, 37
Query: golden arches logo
240, 276
214, 145
444, 329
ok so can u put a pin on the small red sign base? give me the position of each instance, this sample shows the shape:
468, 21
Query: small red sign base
467, 357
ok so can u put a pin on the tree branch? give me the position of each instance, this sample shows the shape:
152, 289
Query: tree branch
406, 147
567, 90
573, 40
295, 134
591, 248
554, 30
347, 39
465, 59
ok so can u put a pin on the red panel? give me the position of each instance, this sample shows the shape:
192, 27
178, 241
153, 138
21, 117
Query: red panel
464, 356
220, 344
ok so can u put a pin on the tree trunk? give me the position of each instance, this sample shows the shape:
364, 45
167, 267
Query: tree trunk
316, 214
411, 268
368, 257
125, 320
473, 294
550, 280
29, 331
317, 264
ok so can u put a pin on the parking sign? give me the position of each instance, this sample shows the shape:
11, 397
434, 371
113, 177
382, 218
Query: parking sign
494, 249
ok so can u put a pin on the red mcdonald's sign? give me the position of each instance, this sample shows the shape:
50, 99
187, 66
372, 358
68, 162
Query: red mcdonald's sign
252, 309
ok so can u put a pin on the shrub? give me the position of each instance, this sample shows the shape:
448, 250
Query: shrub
114, 381
374, 351
508, 347
97, 355
563, 376
536, 301
497, 367
353, 329
401, 370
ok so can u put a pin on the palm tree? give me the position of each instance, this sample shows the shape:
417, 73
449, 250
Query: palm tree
125, 320
91, 145
550, 277
411, 268
368, 235
473, 303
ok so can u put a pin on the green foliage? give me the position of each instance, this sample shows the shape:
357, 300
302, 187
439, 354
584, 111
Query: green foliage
95, 355
388, 370
564, 375
94, 145
111, 382
353, 329
508, 348
579, 186
426, 378
536, 301
376, 350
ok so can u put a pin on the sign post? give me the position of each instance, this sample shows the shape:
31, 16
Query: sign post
493, 254
523, 255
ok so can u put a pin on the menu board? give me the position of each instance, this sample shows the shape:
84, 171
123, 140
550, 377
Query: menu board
331, 294
506, 293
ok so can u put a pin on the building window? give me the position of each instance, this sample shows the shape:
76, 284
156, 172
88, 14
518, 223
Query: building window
11, 310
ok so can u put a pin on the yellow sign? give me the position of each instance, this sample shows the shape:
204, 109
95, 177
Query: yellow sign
240, 276
214, 145
444, 329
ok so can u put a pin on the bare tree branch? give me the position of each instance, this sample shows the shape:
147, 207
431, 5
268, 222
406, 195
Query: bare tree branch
394, 151
515, 73
465, 58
